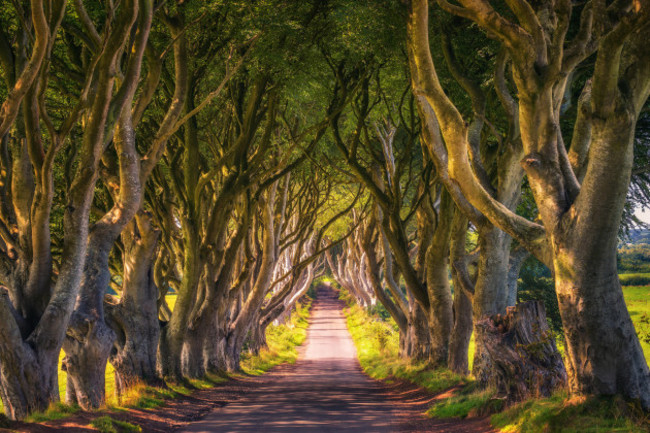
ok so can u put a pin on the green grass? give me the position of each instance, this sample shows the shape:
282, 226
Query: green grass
377, 344
637, 299
560, 414
282, 341
55, 411
145, 397
106, 424
465, 402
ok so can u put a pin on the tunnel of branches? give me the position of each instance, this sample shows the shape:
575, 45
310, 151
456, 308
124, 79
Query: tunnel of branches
232, 154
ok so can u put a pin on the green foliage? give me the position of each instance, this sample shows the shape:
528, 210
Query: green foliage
378, 310
282, 341
634, 259
536, 283
634, 254
559, 414
106, 424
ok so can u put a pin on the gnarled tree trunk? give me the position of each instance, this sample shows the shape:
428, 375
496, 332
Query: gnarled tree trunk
461, 334
524, 360
490, 292
134, 318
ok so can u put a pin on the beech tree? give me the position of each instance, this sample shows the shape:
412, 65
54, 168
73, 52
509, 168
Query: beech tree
39, 302
579, 195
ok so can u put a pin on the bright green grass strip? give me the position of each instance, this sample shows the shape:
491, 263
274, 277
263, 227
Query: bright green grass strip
464, 402
282, 340
55, 411
558, 414
637, 299
377, 345
106, 424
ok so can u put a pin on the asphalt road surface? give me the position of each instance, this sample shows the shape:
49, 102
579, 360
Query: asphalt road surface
325, 391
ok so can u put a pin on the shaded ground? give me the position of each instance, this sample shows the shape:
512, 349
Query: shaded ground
325, 391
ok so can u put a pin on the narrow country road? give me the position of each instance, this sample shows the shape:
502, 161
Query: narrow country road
325, 391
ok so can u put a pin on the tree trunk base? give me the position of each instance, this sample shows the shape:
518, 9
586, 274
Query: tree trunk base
87, 352
417, 345
26, 385
518, 355
192, 357
134, 360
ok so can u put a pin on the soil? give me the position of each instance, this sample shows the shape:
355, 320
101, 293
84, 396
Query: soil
325, 391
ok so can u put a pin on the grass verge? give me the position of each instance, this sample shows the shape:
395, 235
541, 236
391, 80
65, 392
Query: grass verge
468, 401
55, 411
282, 341
377, 343
106, 424
561, 414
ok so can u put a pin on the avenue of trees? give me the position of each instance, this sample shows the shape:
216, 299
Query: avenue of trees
230, 152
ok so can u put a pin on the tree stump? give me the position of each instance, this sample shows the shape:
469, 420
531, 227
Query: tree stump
522, 352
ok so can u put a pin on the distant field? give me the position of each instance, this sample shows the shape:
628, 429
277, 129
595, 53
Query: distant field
635, 279
637, 299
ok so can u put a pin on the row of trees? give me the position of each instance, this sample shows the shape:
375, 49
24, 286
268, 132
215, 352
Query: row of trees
530, 140
228, 153
151, 148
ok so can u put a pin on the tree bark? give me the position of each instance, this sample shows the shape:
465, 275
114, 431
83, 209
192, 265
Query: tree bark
134, 318
490, 292
580, 218
418, 339
604, 353
257, 337
28, 380
461, 334
440, 315
525, 362
172, 335
45, 340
